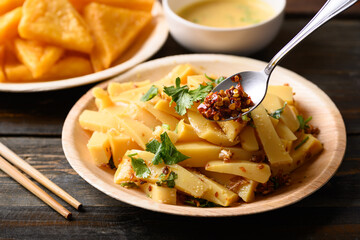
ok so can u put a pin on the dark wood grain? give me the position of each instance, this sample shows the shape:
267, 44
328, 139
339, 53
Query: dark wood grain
310, 7
31, 124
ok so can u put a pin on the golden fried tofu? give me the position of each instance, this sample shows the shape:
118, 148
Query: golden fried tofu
66, 67
55, 22
140, 5
37, 56
8, 5
114, 30
8, 24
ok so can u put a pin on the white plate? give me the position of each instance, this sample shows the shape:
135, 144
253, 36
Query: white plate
144, 47
311, 100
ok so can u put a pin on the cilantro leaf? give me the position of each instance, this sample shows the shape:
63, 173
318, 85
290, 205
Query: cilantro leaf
216, 81
169, 153
129, 185
139, 166
303, 123
184, 102
185, 98
277, 113
164, 151
165, 126
154, 147
150, 94
302, 143
168, 180
201, 92
199, 202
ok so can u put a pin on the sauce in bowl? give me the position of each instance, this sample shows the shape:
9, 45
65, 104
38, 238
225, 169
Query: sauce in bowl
227, 13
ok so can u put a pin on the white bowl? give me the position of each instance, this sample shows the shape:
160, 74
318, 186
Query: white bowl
239, 40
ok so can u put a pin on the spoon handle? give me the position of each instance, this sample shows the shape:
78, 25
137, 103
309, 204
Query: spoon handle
330, 9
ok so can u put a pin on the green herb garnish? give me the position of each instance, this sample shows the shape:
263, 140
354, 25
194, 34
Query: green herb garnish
277, 113
129, 185
150, 94
154, 147
139, 166
168, 180
275, 182
303, 123
165, 126
199, 202
245, 118
185, 98
302, 142
164, 151
216, 81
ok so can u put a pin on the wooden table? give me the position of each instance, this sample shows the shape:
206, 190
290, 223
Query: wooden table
31, 124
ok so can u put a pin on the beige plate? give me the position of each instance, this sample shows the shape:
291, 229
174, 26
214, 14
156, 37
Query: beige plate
305, 180
144, 47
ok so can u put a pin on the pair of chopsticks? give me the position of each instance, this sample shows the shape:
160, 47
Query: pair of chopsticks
39, 177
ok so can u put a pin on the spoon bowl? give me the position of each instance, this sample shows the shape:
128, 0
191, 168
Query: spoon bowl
255, 84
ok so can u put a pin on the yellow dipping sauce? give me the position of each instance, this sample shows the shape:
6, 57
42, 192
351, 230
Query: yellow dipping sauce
227, 13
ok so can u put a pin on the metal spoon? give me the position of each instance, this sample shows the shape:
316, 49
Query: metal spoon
255, 84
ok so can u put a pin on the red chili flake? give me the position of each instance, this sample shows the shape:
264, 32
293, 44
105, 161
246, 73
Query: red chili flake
260, 166
216, 194
226, 104
150, 188
242, 169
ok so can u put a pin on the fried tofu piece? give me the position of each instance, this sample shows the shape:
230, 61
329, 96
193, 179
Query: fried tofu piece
38, 57
55, 22
8, 5
114, 30
8, 24
67, 67
140, 5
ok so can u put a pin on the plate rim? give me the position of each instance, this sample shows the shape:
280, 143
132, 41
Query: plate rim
323, 178
161, 31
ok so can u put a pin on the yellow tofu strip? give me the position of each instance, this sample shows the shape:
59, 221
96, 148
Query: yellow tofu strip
159, 194
274, 149
202, 152
259, 172
161, 116
245, 190
97, 121
248, 139
136, 130
217, 193
208, 130
163, 105
186, 132
120, 143
284, 92
99, 148
303, 149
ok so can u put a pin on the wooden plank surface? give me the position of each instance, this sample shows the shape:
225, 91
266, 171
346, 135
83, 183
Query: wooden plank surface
310, 7
31, 124
334, 209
